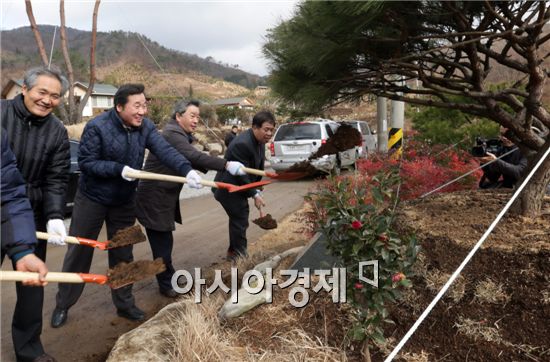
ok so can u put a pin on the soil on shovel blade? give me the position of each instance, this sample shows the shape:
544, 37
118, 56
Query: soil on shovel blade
127, 273
266, 222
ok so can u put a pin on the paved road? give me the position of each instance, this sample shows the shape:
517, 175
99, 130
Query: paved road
93, 326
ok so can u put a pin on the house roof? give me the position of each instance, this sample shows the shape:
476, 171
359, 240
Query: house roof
228, 101
99, 88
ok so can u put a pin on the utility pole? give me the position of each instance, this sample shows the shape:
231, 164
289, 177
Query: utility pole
395, 141
382, 123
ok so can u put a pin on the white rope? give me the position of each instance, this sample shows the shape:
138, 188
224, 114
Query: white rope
466, 260
51, 50
466, 174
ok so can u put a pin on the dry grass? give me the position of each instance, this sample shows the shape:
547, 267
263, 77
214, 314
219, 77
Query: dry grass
75, 130
478, 329
435, 280
488, 291
197, 335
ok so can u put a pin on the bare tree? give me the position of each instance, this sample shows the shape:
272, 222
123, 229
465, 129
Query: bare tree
74, 115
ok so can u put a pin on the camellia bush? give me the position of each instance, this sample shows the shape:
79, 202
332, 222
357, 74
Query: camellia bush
356, 219
356, 213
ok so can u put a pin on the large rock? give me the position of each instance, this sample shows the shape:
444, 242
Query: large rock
154, 334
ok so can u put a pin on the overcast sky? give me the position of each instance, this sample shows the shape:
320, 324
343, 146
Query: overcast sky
229, 31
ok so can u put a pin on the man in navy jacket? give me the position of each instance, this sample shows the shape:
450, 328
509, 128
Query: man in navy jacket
111, 145
18, 227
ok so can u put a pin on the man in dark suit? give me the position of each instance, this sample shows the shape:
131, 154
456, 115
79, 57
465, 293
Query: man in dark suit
158, 201
249, 149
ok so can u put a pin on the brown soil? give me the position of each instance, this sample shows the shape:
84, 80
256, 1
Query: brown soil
497, 310
127, 236
344, 138
266, 222
127, 273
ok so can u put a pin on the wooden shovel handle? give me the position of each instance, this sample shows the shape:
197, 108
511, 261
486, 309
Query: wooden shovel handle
254, 171
18, 276
144, 175
74, 240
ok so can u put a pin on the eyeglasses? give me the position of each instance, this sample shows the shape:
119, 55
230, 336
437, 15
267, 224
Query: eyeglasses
140, 106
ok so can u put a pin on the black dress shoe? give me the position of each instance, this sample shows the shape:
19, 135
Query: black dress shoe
169, 293
44, 358
133, 313
59, 317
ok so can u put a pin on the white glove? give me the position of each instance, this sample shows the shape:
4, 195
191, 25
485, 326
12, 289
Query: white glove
193, 180
56, 229
127, 169
235, 168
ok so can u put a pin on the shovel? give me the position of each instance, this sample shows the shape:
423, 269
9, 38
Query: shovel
144, 175
123, 237
121, 275
286, 176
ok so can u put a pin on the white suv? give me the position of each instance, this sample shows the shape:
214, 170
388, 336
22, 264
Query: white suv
295, 142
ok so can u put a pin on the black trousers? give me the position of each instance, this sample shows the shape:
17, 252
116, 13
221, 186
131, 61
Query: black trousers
87, 221
162, 243
236, 207
26, 325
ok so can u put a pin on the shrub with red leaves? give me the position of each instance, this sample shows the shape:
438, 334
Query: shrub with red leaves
422, 172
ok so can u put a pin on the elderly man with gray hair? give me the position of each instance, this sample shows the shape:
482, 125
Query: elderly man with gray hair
41, 146
158, 201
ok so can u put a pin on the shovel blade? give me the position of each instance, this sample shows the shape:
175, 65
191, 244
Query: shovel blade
235, 188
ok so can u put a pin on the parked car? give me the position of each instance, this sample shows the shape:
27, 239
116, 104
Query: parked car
368, 137
74, 175
295, 142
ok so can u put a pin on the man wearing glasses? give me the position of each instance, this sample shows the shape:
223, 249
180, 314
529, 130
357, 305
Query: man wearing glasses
247, 148
112, 145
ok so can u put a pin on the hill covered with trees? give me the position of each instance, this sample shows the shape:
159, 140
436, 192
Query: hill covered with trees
115, 51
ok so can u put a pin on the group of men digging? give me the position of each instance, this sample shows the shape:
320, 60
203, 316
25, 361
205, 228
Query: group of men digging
112, 148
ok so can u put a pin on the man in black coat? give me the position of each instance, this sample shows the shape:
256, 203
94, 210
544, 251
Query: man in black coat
112, 145
504, 172
157, 202
41, 146
230, 136
247, 148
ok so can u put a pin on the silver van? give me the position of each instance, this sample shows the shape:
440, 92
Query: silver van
368, 137
295, 142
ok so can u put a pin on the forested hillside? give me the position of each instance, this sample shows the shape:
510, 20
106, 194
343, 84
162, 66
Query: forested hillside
116, 50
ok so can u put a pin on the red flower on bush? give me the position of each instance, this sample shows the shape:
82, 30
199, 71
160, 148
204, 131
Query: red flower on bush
397, 277
358, 286
356, 225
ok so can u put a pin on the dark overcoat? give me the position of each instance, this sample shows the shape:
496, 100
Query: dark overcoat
157, 202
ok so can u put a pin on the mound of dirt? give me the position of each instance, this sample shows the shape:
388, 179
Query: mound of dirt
499, 310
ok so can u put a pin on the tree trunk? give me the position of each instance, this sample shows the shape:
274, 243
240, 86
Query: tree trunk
365, 351
67, 58
529, 203
36, 33
92, 63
